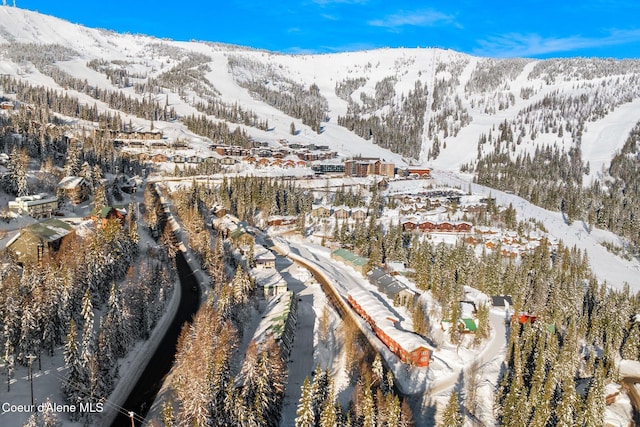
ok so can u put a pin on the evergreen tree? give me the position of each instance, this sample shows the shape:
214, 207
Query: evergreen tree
305, 413
100, 197
595, 405
87, 331
49, 417
74, 385
368, 408
329, 412
17, 172
72, 165
114, 324
451, 416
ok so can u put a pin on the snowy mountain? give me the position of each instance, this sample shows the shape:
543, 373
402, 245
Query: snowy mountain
417, 106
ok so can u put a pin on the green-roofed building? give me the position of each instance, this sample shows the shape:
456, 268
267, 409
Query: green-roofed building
279, 321
469, 325
357, 262
39, 240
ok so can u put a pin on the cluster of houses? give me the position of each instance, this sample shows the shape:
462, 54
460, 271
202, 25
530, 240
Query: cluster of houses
72, 188
127, 137
179, 158
75, 189
267, 279
342, 212
261, 262
509, 243
282, 163
261, 154
428, 225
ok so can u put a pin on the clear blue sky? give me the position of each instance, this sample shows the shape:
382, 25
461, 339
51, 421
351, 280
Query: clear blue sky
541, 29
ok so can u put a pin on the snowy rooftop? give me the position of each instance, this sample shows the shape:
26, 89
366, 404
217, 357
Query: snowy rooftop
275, 317
381, 314
267, 277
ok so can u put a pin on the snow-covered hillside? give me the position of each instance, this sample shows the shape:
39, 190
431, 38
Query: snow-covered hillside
430, 106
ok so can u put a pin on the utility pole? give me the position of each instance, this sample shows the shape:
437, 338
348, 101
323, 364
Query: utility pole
31, 358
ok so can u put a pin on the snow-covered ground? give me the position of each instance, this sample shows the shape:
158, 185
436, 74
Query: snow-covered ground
609, 268
47, 381
143, 55
448, 361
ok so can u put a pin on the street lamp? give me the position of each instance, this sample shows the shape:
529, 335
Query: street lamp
31, 358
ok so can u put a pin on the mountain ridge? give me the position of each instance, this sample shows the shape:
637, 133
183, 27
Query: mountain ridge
460, 98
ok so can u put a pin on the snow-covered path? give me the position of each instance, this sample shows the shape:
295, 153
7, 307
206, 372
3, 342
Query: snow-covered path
606, 137
605, 265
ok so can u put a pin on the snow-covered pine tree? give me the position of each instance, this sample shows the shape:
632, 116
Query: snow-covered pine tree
17, 172
106, 362
114, 323
377, 370
88, 342
241, 286
72, 165
305, 413
328, 412
368, 408
595, 404
74, 385
319, 390
29, 335
49, 417
451, 415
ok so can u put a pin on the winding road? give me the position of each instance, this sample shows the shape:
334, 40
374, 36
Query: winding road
150, 382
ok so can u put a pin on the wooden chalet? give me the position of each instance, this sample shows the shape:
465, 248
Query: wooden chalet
320, 211
419, 172
341, 212
444, 226
108, 213
409, 225
74, 188
279, 220
159, 158
427, 225
462, 226
359, 214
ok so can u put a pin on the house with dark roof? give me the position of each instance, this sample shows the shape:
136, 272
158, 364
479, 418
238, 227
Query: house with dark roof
501, 301
397, 291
